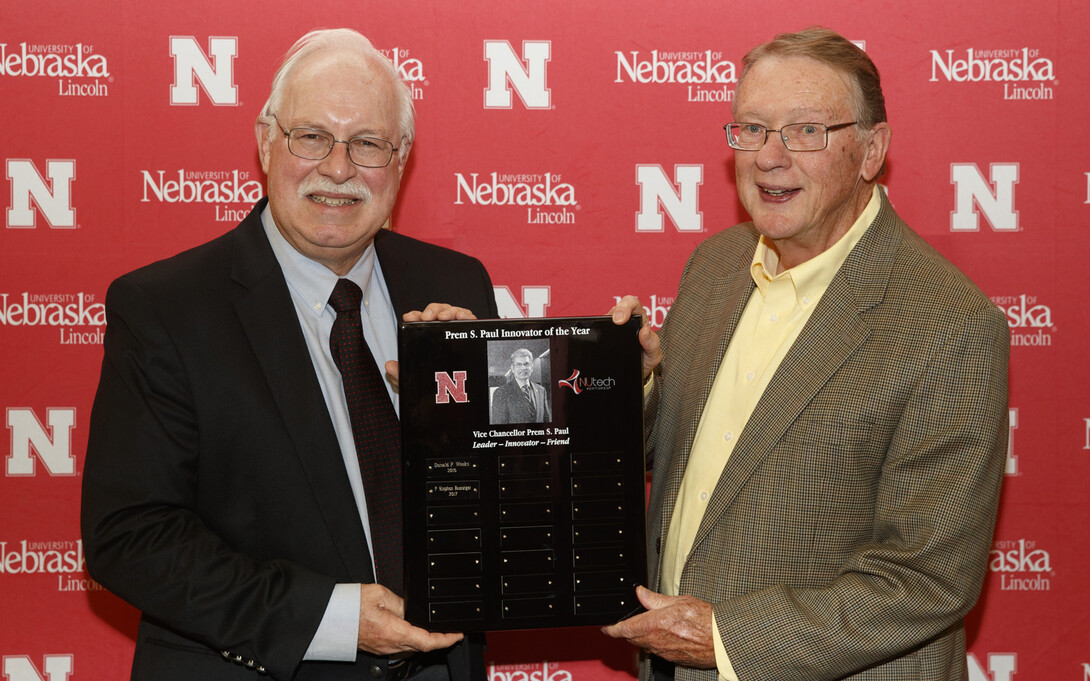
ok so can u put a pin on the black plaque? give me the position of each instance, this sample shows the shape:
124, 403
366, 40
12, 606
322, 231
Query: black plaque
523, 509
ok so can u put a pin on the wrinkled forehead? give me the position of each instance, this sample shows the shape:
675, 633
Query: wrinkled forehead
349, 68
793, 86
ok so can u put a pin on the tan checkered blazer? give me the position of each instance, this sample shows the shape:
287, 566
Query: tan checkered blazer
849, 533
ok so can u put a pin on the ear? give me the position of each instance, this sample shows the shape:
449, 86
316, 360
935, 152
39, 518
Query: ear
402, 159
264, 143
877, 146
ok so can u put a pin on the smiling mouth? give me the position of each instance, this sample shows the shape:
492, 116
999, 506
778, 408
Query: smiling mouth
331, 201
777, 193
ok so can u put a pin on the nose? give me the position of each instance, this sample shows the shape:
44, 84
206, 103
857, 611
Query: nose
338, 166
774, 154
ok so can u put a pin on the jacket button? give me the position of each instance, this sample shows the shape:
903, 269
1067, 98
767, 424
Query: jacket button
376, 672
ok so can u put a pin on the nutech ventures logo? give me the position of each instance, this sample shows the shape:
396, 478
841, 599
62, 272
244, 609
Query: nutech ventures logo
64, 559
79, 71
216, 187
548, 200
60, 310
1030, 321
1021, 565
706, 75
579, 383
1024, 73
409, 69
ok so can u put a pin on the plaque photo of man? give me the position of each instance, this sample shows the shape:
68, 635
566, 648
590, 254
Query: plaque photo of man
518, 376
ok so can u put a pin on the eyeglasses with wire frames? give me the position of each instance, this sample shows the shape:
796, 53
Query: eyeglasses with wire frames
315, 145
796, 137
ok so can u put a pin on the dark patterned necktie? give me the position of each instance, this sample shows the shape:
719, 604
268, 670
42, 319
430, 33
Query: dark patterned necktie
375, 430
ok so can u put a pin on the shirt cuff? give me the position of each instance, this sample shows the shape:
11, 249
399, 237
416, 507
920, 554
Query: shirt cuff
337, 637
722, 660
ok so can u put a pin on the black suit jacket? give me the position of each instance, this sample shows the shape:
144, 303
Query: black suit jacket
510, 405
215, 497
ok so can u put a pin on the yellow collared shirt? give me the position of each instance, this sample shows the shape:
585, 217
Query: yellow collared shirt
774, 316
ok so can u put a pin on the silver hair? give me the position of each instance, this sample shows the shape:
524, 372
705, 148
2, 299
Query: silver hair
832, 49
349, 40
520, 352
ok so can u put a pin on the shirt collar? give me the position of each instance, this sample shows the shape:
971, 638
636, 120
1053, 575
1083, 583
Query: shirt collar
312, 281
811, 278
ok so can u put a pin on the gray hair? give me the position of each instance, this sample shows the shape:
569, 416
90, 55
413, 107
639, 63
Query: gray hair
522, 352
832, 49
349, 40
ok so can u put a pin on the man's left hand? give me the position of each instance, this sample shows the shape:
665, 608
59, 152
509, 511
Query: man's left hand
438, 312
676, 628
649, 340
433, 312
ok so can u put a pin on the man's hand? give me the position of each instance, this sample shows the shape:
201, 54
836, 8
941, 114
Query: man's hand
676, 628
433, 312
438, 312
384, 631
649, 340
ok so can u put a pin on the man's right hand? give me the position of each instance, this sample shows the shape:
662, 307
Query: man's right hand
384, 630
649, 340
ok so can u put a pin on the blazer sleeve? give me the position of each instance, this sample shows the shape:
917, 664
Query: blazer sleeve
501, 413
143, 536
924, 565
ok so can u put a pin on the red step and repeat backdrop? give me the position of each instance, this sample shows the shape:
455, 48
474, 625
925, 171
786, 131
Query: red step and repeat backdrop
577, 149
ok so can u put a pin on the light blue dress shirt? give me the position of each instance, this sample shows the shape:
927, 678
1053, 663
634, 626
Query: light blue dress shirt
311, 284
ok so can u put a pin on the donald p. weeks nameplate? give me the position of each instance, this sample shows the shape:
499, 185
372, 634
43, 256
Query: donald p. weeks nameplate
523, 478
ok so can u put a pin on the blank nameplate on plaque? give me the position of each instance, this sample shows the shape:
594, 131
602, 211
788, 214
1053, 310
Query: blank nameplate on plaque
598, 509
587, 534
531, 537
454, 586
469, 516
454, 564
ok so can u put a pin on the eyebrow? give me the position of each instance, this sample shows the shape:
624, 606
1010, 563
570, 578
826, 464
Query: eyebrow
367, 132
796, 115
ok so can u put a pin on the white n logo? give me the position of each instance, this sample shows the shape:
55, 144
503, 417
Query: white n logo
1001, 665
535, 298
20, 668
679, 198
970, 187
27, 433
217, 76
505, 67
54, 198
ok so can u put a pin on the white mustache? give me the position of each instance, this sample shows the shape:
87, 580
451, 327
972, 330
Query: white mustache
324, 185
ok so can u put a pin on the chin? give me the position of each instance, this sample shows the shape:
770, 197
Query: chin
774, 226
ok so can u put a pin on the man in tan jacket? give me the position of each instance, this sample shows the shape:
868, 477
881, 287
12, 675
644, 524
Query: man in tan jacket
828, 422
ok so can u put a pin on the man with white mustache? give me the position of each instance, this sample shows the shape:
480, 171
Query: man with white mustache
224, 487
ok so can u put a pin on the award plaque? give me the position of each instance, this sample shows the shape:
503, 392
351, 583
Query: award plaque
524, 487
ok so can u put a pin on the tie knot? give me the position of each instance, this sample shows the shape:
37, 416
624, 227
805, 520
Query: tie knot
346, 296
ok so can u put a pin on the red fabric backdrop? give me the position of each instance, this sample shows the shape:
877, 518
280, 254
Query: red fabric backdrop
577, 149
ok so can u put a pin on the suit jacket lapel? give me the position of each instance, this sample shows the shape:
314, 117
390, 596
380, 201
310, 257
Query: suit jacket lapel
539, 400
267, 315
833, 333
393, 262
729, 295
